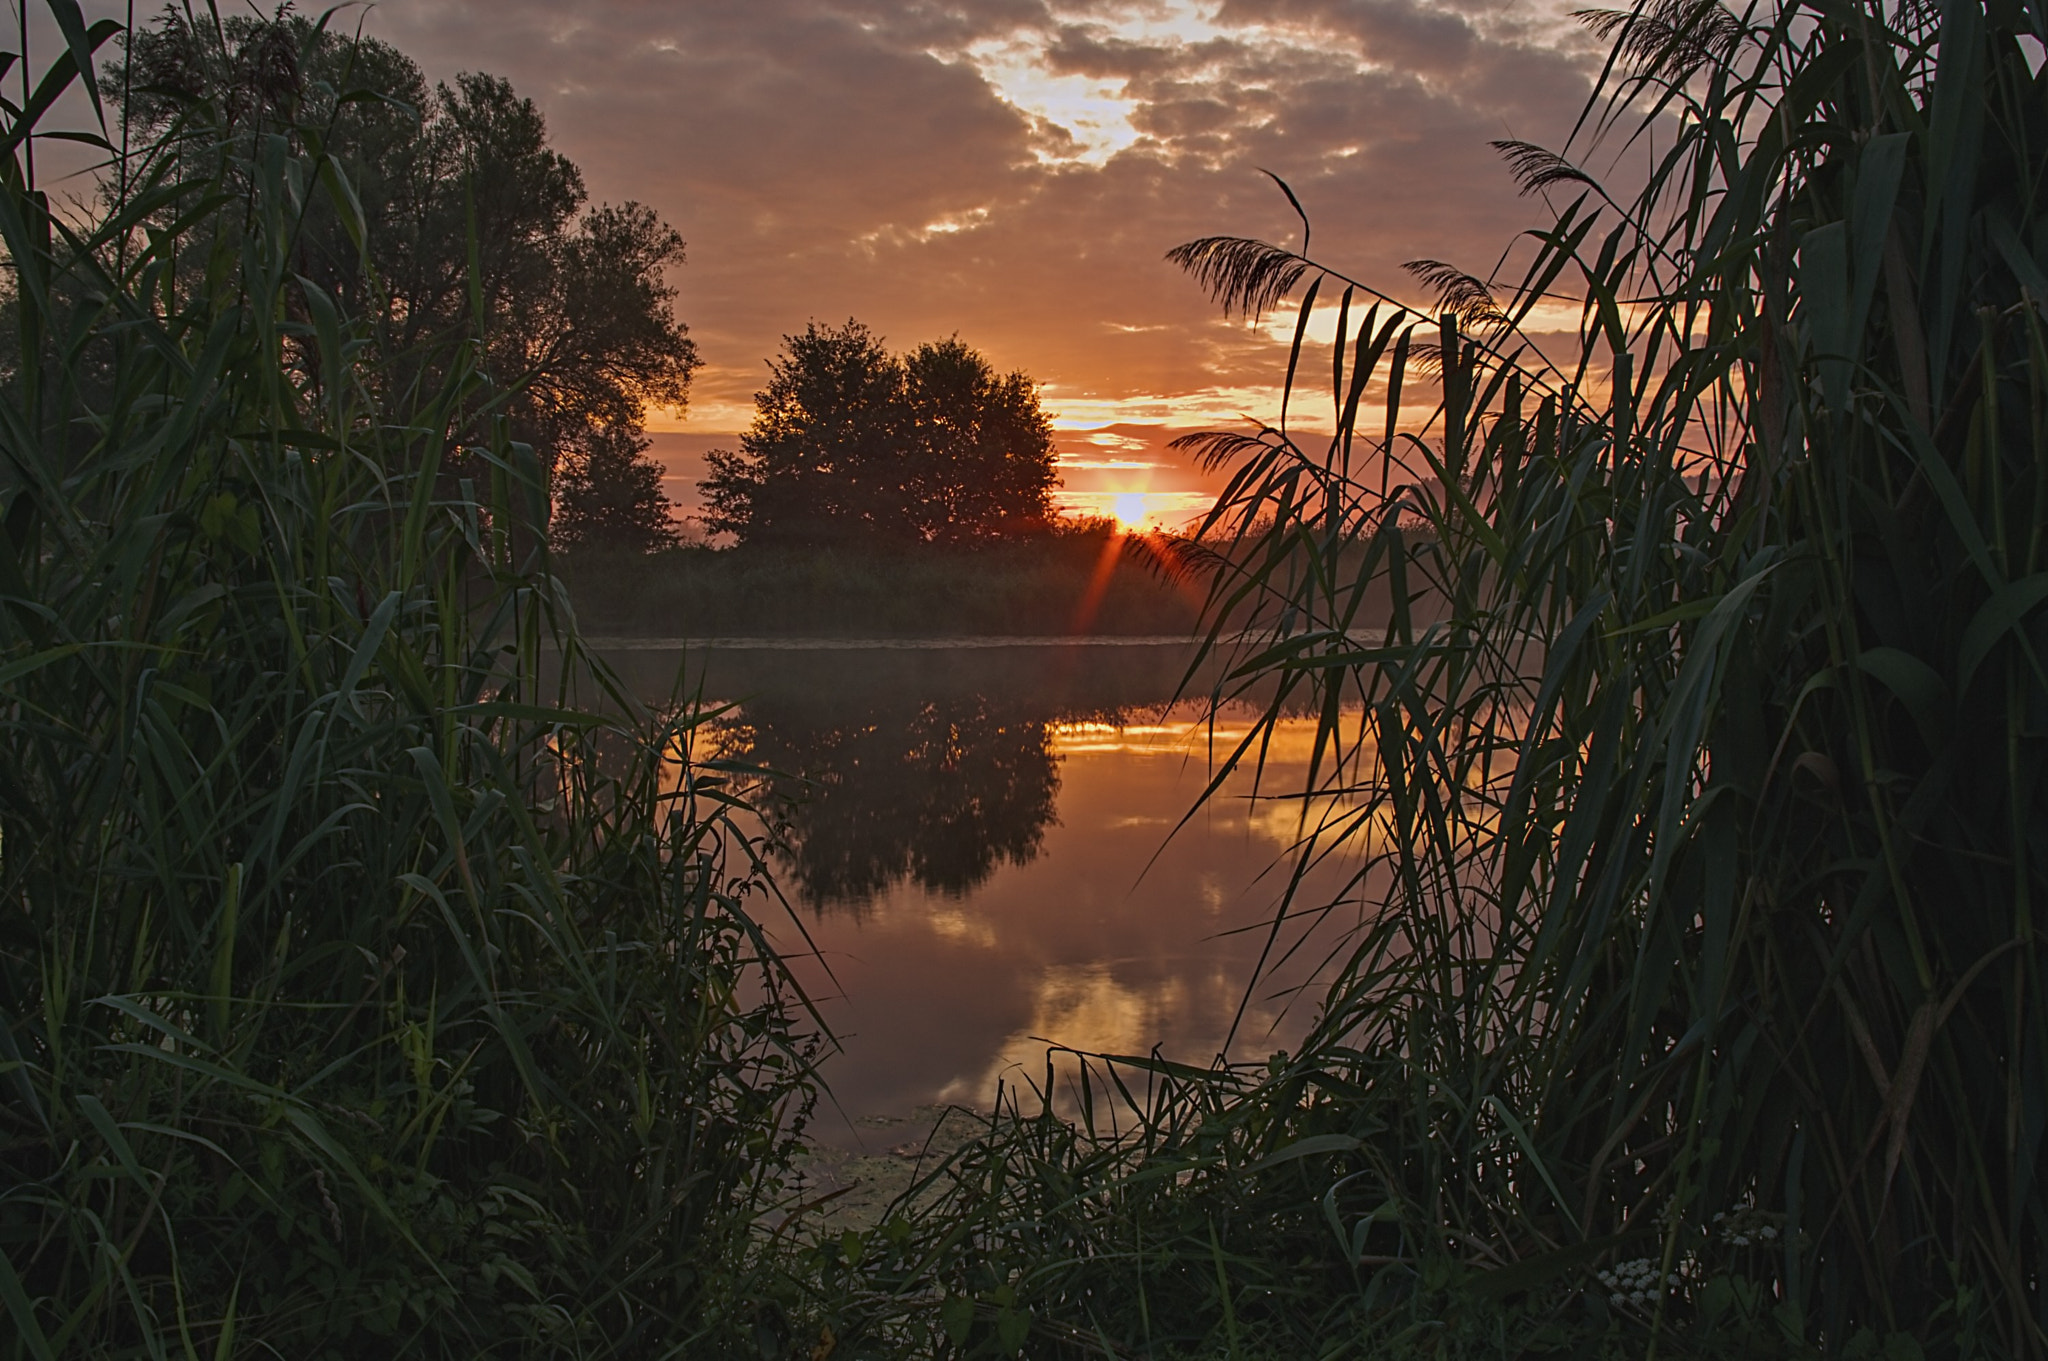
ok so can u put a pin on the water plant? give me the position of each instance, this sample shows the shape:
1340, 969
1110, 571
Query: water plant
1701, 1012
370, 981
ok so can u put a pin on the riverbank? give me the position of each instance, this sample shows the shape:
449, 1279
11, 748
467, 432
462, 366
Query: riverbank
1090, 582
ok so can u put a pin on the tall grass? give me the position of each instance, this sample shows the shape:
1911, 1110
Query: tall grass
360, 994
1704, 1012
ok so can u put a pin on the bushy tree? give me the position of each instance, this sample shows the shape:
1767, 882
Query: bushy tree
853, 444
980, 446
468, 219
607, 491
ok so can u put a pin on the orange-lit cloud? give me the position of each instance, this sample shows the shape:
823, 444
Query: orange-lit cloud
1013, 171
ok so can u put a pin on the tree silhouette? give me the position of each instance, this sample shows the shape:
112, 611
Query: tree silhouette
608, 492
852, 444
465, 209
981, 450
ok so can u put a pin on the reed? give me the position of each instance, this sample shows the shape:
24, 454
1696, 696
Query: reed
364, 988
1702, 1009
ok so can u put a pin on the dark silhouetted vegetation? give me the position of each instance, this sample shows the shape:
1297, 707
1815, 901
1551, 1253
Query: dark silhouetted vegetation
852, 445
361, 993
608, 497
461, 221
1076, 578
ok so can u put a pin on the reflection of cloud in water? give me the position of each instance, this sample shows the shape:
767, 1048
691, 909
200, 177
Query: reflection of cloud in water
1089, 1010
1015, 829
956, 925
1080, 1007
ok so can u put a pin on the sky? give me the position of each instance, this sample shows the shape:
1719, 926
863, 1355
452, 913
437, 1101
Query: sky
1013, 172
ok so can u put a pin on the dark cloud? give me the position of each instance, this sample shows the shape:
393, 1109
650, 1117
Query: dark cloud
1084, 50
925, 167
1393, 34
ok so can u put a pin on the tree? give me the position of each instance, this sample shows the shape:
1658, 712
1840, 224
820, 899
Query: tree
608, 492
981, 447
825, 433
465, 208
851, 444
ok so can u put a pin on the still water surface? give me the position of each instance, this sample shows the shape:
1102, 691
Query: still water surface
992, 850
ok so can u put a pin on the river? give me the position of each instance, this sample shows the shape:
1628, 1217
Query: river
993, 847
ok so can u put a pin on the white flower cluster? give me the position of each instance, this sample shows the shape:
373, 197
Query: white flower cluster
1745, 1228
1635, 1282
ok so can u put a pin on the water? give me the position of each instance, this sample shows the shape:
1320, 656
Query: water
996, 848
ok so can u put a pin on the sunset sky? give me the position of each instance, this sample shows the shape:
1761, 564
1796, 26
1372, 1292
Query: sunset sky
1013, 171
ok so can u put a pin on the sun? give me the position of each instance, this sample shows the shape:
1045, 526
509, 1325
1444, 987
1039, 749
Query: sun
1129, 509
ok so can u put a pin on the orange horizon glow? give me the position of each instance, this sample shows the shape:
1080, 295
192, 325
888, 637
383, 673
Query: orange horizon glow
1098, 585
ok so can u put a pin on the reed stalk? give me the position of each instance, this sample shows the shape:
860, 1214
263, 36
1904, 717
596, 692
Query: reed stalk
1700, 1011
376, 974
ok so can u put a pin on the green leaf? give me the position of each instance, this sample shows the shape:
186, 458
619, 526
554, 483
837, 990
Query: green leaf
1902, 1347
16, 1299
1824, 304
117, 1142
1879, 167
1306, 1148
79, 42
956, 1315
2000, 615
1013, 1326
1918, 686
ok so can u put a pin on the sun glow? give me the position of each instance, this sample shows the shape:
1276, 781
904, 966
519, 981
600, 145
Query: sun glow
1129, 509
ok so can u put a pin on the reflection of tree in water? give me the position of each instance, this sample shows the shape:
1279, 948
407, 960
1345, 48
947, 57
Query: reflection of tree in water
939, 792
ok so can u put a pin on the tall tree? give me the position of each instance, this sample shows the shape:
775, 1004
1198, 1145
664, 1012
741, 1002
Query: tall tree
465, 209
851, 443
825, 443
981, 447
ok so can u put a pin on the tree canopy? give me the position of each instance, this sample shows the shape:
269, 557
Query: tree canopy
851, 444
468, 218
610, 494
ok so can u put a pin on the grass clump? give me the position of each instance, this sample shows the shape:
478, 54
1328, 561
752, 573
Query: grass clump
1701, 1009
360, 994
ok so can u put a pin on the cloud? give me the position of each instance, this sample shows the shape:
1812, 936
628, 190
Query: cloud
1013, 171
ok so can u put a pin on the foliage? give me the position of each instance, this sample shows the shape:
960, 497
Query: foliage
608, 492
1076, 579
362, 991
1702, 1009
851, 444
461, 220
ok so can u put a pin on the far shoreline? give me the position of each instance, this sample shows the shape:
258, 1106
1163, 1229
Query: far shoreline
1084, 582
892, 643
